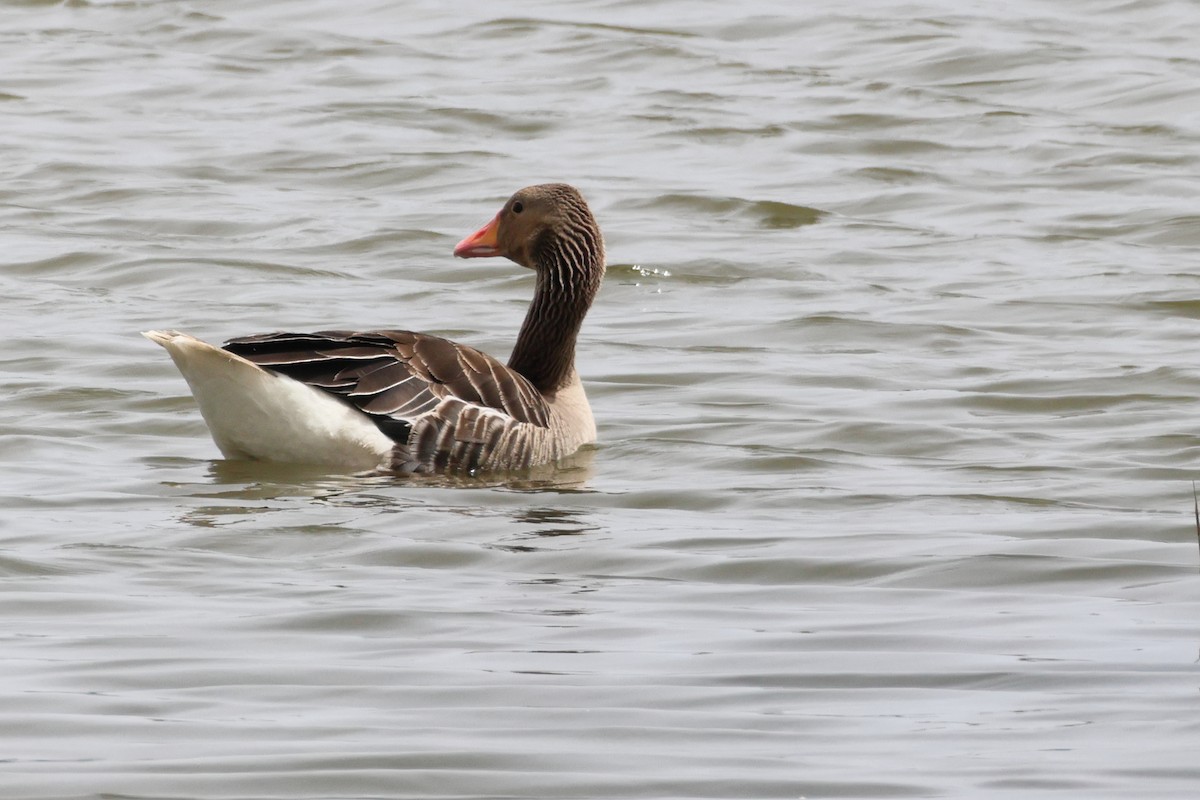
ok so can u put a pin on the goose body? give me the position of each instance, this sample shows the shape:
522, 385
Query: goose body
410, 402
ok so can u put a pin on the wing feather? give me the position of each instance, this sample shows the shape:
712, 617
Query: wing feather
400, 379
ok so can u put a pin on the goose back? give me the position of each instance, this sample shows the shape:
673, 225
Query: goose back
446, 405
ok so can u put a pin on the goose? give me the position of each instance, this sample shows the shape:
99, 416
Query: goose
412, 403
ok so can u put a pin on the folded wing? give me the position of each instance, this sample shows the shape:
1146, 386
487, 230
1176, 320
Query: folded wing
398, 378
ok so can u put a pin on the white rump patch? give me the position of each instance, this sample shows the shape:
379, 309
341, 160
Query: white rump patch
256, 414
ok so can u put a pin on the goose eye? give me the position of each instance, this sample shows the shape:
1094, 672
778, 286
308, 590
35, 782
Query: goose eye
517, 207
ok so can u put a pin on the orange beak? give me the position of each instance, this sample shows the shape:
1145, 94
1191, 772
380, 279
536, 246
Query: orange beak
481, 243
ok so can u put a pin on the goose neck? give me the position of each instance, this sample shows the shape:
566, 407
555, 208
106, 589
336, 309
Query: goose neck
545, 348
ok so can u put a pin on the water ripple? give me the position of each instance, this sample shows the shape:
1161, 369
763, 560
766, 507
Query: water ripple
893, 369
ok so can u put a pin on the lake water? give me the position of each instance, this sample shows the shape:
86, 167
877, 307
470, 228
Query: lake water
895, 369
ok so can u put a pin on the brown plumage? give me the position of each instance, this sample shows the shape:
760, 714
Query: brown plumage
448, 407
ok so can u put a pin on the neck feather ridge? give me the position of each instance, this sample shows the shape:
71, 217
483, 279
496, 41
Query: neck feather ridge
545, 349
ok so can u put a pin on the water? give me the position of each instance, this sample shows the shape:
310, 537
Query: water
894, 371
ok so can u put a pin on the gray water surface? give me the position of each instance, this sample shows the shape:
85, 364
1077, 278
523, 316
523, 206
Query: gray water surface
895, 370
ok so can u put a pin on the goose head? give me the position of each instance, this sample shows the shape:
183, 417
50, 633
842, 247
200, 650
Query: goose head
541, 227
549, 229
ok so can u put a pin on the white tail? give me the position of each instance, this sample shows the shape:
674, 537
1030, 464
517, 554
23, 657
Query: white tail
256, 414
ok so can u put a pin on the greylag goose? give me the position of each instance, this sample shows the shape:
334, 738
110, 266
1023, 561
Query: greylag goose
409, 402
